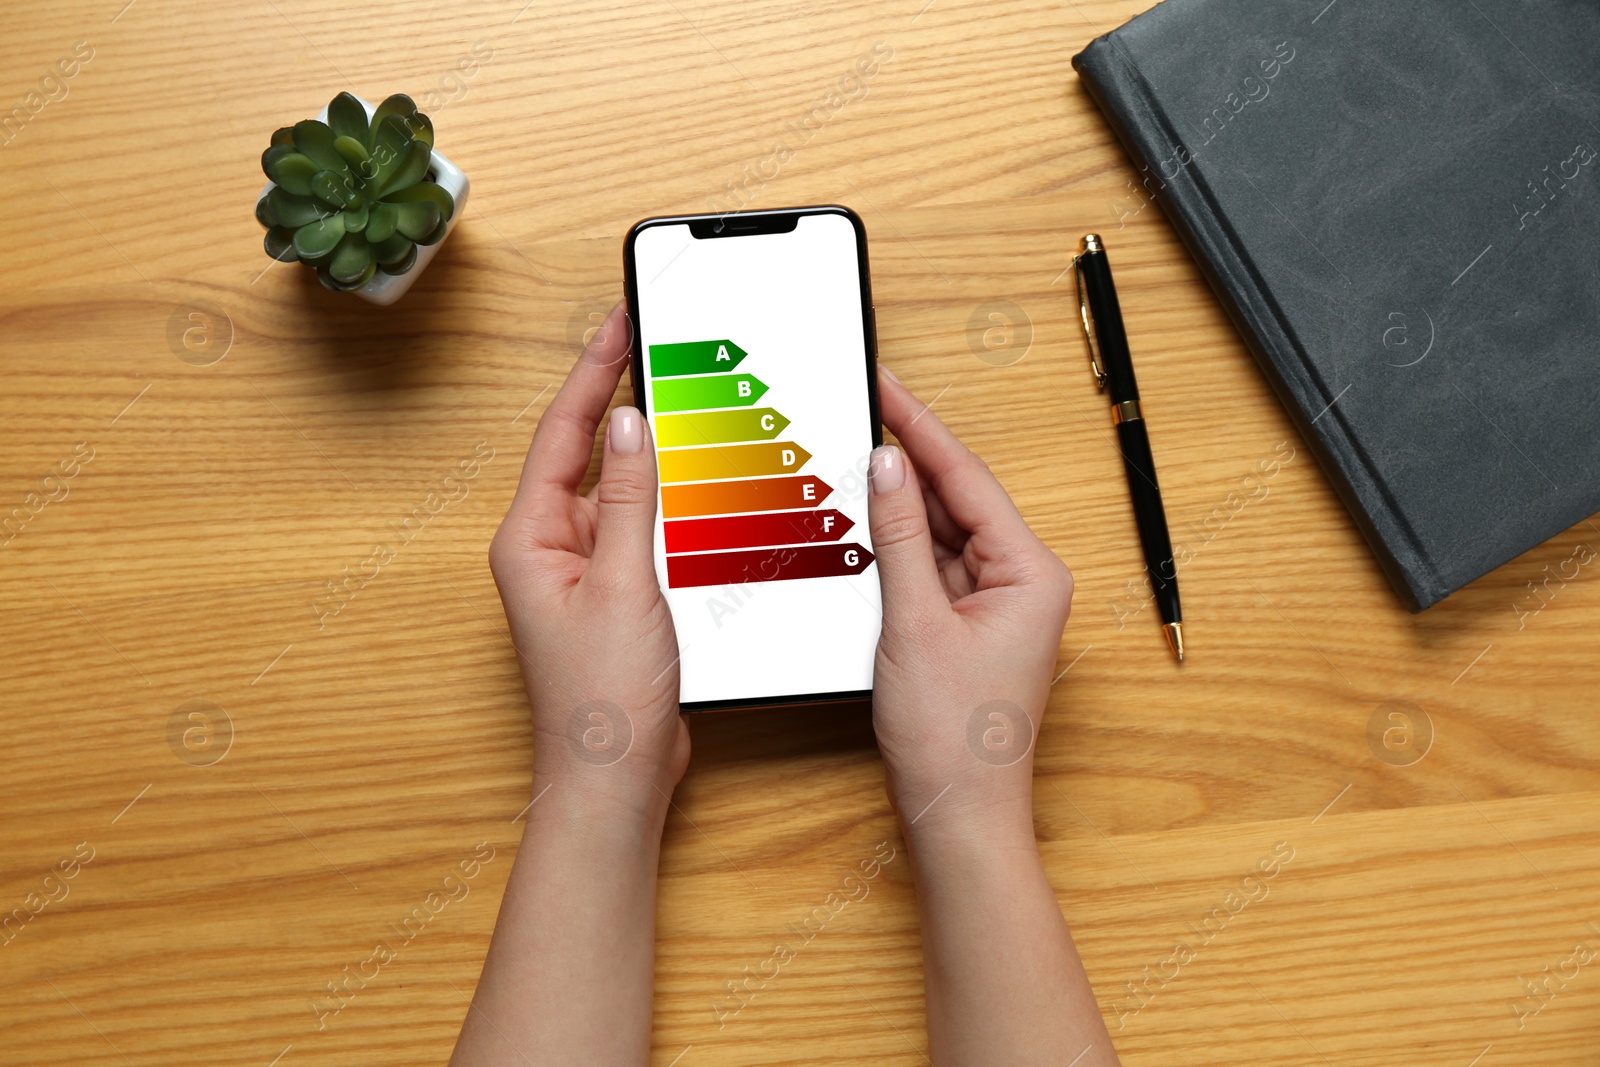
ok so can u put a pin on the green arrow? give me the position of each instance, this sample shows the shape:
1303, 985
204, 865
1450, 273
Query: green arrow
694, 357
713, 391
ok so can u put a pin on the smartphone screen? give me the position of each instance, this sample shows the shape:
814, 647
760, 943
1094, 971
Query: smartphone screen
754, 366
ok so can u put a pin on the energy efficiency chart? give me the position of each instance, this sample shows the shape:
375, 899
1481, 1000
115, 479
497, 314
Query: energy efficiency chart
734, 507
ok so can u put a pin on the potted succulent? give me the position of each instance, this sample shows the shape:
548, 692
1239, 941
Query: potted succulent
359, 195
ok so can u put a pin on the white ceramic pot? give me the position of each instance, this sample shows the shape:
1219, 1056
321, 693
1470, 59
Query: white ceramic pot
387, 288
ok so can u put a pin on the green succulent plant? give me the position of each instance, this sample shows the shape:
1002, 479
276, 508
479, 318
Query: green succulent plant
351, 197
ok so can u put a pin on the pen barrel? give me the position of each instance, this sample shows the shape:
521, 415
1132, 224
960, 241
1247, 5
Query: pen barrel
1151, 517
1111, 338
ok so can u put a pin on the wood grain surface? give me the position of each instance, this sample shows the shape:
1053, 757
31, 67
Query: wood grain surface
239, 438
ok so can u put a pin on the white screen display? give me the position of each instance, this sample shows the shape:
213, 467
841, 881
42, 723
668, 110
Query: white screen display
755, 369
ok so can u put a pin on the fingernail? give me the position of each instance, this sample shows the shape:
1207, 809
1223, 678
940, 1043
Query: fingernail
888, 373
887, 471
627, 432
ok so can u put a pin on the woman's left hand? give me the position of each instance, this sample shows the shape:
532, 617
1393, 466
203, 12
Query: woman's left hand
598, 652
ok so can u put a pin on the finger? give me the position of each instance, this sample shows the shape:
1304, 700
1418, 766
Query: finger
1002, 550
625, 529
947, 535
945, 530
971, 495
907, 574
564, 440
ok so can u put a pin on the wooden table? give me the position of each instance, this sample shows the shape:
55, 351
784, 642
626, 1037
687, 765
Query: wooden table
269, 787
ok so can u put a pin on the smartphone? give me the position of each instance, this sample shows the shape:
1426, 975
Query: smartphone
755, 366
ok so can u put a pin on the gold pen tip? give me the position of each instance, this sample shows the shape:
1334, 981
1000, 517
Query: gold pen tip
1174, 632
1090, 243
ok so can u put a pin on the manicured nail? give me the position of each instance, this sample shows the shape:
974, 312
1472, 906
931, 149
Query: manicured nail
888, 373
887, 471
627, 431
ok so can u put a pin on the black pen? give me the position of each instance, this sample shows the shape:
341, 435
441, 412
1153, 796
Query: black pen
1113, 366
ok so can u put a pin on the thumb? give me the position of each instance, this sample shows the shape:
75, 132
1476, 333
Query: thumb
624, 533
900, 538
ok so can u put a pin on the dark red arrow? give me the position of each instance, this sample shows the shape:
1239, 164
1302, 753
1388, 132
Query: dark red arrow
766, 565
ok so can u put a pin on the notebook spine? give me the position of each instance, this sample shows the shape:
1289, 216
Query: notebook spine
1136, 117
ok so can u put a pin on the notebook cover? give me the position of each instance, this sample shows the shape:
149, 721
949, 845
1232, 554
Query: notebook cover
1399, 207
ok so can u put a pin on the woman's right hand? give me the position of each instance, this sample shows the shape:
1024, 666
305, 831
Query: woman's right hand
973, 609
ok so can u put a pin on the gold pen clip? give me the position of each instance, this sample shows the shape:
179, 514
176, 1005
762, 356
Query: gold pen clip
1091, 243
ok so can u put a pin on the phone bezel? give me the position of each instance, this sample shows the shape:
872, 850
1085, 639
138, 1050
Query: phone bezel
731, 226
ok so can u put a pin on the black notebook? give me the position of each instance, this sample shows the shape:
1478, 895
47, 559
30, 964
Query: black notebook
1399, 206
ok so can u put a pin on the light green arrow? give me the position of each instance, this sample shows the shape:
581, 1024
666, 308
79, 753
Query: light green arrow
713, 391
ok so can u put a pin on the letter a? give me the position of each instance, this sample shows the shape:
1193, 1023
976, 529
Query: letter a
722, 354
